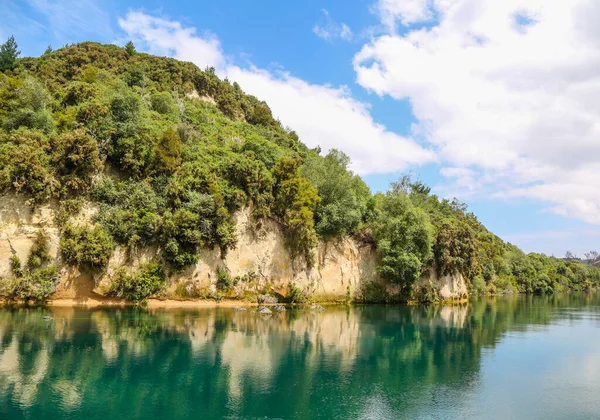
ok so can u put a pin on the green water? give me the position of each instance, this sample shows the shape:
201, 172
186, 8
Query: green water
514, 357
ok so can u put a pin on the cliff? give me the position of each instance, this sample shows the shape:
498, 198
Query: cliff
260, 261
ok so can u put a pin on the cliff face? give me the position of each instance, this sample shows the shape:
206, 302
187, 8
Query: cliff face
340, 270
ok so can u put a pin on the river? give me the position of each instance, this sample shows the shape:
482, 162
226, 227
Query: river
505, 357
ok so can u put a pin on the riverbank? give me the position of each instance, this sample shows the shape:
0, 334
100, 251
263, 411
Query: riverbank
101, 301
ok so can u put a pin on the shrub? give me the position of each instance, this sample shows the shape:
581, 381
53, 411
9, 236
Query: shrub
295, 294
39, 253
478, 286
136, 287
84, 247
163, 103
76, 159
169, 152
38, 284
25, 165
16, 268
224, 280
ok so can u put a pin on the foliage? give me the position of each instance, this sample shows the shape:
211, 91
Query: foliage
224, 280
136, 287
8, 54
16, 267
35, 285
295, 294
76, 160
295, 201
404, 239
85, 247
344, 196
130, 48
38, 280
39, 253
169, 153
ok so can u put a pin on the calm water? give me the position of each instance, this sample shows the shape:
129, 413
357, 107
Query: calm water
516, 357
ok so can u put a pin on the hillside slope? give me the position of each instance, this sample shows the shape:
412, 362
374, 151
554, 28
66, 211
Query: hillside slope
169, 158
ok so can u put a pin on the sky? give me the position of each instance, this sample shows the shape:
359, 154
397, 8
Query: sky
492, 102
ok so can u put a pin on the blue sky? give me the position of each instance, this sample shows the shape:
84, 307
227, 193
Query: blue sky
470, 99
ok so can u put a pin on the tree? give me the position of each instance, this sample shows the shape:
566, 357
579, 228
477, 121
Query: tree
169, 151
591, 256
130, 48
295, 202
8, 54
48, 50
344, 196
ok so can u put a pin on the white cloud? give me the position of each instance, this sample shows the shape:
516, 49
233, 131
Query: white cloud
170, 38
507, 89
329, 29
405, 11
329, 117
322, 115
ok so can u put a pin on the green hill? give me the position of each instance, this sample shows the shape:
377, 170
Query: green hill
170, 152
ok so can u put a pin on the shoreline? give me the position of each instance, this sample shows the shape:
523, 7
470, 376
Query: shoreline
99, 302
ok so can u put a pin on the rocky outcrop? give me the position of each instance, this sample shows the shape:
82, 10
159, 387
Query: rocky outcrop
260, 261
446, 287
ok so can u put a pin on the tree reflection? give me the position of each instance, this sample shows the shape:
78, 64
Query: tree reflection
129, 363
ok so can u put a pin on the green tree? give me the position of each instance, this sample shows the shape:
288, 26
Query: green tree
404, 238
9, 51
169, 151
344, 196
295, 202
130, 48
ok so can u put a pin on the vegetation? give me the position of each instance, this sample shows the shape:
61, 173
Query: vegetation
169, 153
138, 286
86, 248
38, 280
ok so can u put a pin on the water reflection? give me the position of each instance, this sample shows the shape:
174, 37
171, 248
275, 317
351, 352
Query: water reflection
345, 362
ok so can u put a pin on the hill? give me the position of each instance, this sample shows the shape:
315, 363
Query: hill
168, 154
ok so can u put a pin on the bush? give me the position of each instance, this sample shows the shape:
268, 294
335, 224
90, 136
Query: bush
38, 284
136, 287
25, 164
478, 286
16, 268
295, 294
86, 248
163, 103
39, 253
76, 159
344, 196
224, 280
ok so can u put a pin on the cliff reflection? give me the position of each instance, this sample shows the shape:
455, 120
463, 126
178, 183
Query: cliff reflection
348, 361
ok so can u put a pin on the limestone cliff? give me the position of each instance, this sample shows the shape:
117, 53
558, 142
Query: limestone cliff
341, 269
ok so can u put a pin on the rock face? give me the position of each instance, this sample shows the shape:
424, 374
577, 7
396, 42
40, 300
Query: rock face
340, 268
447, 287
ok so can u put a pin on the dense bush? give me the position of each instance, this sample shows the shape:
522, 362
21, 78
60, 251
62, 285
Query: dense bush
86, 247
344, 196
139, 285
39, 254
